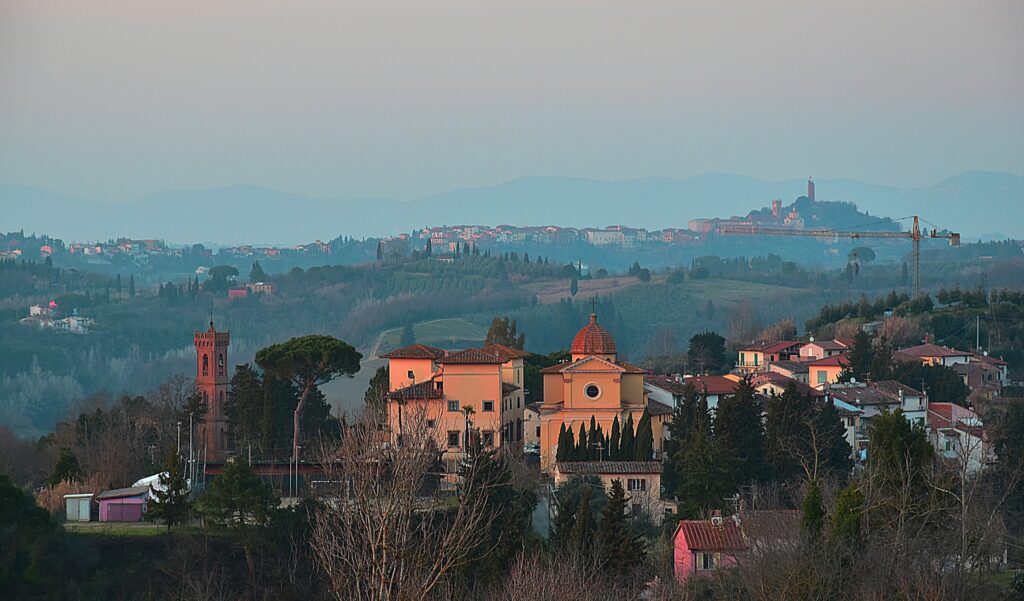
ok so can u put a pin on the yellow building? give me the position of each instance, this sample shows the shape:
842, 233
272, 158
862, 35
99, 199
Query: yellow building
594, 384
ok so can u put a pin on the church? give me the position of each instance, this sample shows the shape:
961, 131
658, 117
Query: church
595, 383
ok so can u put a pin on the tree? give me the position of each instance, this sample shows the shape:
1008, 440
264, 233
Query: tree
429, 250
562, 452
861, 357
486, 482
845, 524
582, 541
861, 254
627, 443
172, 505
702, 473
238, 499
308, 361
375, 396
739, 432
505, 332
706, 352
613, 440
804, 437
942, 384
245, 408
812, 521
620, 552
219, 278
380, 251
781, 330
644, 445
582, 452
256, 274
408, 336
66, 468
574, 287
131, 285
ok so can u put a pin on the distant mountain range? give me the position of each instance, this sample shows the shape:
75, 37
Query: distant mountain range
975, 203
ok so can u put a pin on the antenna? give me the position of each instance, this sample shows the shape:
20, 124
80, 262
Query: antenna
593, 305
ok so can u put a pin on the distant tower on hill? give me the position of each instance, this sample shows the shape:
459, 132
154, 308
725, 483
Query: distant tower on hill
212, 382
776, 208
810, 188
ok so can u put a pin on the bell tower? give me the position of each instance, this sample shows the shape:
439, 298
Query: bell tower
212, 382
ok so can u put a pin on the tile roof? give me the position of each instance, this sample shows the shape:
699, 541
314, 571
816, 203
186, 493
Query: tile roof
505, 353
666, 383
702, 535
417, 392
893, 388
470, 356
592, 339
859, 395
714, 385
770, 347
833, 360
795, 367
119, 493
507, 389
416, 351
778, 379
829, 345
609, 467
988, 359
656, 408
933, 350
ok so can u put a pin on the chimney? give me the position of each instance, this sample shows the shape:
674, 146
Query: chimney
716, 518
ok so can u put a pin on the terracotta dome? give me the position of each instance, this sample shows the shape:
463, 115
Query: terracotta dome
593, 340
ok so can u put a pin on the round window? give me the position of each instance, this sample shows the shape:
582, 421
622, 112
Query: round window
592, 391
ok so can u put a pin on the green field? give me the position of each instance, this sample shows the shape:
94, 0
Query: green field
438, 332
733, 291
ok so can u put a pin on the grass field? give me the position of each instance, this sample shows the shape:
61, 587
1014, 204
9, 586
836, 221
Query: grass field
733, 291
438, 332
117, 528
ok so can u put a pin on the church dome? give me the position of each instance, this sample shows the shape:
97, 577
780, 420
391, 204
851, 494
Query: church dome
593, 340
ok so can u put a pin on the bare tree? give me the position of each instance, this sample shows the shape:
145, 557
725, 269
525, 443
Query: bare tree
381, 531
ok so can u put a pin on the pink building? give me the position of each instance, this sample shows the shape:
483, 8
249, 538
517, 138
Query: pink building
702, 546
123, 504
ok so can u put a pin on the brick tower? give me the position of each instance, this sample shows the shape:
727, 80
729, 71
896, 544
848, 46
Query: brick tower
212, 381
810, 189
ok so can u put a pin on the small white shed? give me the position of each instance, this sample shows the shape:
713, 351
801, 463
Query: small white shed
79, 507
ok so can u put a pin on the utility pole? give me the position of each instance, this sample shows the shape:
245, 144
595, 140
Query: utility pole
977, 334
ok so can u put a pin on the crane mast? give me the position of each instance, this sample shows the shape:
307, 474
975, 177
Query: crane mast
915, 235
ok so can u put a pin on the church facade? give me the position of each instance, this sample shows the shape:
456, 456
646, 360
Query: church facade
595, 384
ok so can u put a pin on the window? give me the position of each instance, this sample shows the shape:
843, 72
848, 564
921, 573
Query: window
538, 431
707, 561
518, 400
206, 365
411, 374
849, 422
519, 429
488, 405
453, 405
822, 376
431, 423
636, 484
757, 357
743, 358
488, 438
592, 391
453, 438
220, 364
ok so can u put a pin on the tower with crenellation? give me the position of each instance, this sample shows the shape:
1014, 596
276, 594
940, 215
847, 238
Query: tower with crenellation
212, 383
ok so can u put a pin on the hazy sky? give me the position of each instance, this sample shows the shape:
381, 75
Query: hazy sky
115, 99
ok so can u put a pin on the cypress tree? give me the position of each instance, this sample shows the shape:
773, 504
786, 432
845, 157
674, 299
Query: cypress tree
581, 445
592, 440
613, 440
601, 446
627, 442
738, 431
583, 528
560, 452
644, 445
131, 285
620, 552
813, 519
172, 504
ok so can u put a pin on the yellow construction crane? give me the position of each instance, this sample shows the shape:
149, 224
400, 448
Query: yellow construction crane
915, 235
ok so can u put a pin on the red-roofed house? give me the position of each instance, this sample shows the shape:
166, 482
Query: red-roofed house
702, 546
757, 356
820, 349
958, 435
822, 372
715, 387
932, 354
435, 387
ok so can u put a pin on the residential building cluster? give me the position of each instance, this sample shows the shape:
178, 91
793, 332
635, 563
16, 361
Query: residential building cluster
46, 317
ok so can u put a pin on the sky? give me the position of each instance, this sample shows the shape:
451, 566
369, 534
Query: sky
116, 99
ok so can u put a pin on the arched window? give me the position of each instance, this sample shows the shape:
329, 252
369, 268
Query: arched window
206, 365
220, 364
222, 397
